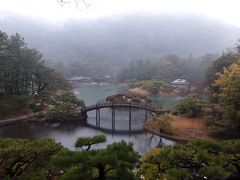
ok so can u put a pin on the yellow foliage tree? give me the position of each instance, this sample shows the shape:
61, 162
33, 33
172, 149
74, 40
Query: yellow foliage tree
229, 84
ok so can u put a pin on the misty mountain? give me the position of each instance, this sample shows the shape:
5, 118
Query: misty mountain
118, 40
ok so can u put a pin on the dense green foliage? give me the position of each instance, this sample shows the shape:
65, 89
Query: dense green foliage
217, 67
199, 159
115, 161
211, 74
25, 82
163, 124
66, 108
192, 104
228, 83
44, 159
21, 158
22, 70
15, 103
89, 141
153, 86
222, 86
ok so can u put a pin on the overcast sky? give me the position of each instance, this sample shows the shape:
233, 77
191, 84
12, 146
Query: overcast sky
53, 11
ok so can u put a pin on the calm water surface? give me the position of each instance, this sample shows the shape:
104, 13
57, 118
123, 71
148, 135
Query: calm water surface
67, 134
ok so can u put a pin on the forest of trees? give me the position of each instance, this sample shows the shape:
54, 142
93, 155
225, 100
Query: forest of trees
169, 68
24, 78
22, 70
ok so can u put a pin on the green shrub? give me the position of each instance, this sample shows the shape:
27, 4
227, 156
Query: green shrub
69, 97
14, 103
4, 109
198, 159
217, 124
66, 108
153, 86
62, 113
191, 104
163, 124
37, 108
40, 115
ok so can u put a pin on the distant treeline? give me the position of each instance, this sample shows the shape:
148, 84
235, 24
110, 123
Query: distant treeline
104, 46
169, 68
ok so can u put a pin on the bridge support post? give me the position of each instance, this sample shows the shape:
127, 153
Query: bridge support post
113, 118
146, 112
130, 115
98, 117
84, 114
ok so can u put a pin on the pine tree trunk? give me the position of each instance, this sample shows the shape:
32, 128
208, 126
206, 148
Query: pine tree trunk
101, 172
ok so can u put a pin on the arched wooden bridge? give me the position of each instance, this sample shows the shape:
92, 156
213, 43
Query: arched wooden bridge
129, 105
101, 105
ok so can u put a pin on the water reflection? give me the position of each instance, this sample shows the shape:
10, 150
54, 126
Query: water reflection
67, 134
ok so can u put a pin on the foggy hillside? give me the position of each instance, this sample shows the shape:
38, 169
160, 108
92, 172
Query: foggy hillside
122, 39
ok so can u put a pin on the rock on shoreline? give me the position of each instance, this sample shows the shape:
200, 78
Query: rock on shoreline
127, 98
141, 91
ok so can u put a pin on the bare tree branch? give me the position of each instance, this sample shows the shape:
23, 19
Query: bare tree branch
80, 4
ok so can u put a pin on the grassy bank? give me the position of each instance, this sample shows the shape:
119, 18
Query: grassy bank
181, 128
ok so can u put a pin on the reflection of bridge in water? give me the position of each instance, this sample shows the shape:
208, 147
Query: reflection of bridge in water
150, 138
115, 131
128, 105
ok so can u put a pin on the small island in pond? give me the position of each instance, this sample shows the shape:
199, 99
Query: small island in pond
127, 98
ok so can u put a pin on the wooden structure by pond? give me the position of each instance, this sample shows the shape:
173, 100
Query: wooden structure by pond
128, 105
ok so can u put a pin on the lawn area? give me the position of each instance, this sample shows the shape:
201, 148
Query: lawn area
182, 128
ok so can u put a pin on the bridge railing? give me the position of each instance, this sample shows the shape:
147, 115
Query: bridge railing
102, 104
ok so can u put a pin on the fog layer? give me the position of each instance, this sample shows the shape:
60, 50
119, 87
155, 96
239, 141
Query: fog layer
113, 42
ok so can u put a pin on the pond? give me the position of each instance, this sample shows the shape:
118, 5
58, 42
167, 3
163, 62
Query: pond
67, 134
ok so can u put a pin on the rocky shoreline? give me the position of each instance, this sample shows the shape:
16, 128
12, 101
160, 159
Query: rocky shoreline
129, 97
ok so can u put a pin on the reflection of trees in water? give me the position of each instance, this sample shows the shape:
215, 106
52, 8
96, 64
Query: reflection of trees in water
116, 131
148, 141
154, 139
71, 127
139, 117
28, 130
17, 131
121, 118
